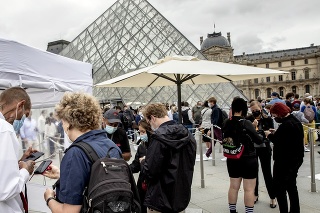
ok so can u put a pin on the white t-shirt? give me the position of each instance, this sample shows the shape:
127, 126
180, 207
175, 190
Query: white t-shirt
12, 179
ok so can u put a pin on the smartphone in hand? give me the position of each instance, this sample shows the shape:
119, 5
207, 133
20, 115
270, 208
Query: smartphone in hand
34, 156
45, 165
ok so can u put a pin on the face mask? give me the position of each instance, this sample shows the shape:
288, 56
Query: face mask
210, 105
278, 120
140, 113
256, 114
110, 129
144, 138
17, 124
292, 99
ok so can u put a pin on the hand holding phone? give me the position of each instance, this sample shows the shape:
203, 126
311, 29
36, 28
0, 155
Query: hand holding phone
44, 166
34, 156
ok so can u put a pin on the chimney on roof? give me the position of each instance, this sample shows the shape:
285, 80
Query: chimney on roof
229, 39
201, 39
312, 45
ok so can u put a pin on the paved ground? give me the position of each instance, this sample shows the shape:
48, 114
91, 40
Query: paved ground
213, 198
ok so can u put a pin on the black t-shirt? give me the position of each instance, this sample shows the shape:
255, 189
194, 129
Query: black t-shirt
120, 138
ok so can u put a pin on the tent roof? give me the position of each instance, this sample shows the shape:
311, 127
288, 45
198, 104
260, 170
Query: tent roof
46, 76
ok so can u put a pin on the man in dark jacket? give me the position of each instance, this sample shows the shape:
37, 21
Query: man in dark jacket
169, 164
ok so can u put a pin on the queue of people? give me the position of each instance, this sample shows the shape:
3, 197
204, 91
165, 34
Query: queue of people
166, 154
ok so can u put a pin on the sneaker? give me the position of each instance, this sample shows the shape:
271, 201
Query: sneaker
224, 159
306, 149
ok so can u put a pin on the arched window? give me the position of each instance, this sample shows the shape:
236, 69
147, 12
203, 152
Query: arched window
256, 93
281, 91
294, 89
307, 88
269, 91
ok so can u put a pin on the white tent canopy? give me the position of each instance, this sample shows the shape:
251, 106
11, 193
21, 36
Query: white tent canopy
46, 76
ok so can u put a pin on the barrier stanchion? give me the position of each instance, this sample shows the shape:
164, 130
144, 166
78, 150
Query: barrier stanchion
312, 164
60, 155
199, 139
213, 147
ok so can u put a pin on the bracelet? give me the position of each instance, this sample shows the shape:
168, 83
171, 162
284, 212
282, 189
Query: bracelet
50, 198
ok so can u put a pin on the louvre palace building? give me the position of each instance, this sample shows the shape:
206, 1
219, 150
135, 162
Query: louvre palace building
303, 65
132, 34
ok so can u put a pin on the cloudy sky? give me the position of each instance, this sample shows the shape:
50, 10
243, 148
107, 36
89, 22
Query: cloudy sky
255, 26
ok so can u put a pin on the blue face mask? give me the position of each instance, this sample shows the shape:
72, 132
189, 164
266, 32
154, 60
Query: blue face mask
17, 124
144, 138
110, 129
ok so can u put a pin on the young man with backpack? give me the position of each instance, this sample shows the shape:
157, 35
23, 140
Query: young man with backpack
310, 113
81, 171
169, 164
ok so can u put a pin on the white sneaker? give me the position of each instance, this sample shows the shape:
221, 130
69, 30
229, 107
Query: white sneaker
224, 159
306, 149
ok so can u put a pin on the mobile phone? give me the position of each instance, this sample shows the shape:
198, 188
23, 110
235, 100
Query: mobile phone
43, 167
34, 156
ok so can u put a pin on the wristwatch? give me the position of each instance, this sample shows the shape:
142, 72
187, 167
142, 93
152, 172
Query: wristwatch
50, 198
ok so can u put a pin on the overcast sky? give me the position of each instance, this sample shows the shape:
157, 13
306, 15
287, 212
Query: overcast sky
255, 26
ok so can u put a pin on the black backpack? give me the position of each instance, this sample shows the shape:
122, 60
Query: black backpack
222, 117
111, 187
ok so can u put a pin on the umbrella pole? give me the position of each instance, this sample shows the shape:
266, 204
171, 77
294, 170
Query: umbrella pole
179, 97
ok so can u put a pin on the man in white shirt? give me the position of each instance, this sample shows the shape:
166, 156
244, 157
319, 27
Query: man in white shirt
28, 131
14, 105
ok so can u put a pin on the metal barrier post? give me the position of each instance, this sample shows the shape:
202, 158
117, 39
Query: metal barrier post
199, 136
60, 155
312, 164
213, 147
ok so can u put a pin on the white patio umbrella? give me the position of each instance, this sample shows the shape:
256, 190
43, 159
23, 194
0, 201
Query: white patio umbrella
178, 70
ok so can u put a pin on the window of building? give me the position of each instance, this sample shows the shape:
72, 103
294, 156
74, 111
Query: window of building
294, 89
306, 74
292, 62
255, 80
269, 91
279, 64
256, 93
281, 91
267, 79
267, 65
306, 61
307, 88
293, 75
280, 77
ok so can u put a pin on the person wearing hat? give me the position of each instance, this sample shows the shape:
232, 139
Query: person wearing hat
111, 120
275, 99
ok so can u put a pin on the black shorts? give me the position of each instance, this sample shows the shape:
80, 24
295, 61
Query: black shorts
204, 138
245, 167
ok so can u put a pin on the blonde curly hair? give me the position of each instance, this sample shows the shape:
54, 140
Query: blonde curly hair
80, 110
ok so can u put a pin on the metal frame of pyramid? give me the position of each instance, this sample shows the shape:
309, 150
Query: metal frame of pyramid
132, 34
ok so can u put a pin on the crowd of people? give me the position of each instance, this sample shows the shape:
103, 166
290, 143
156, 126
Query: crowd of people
166, 154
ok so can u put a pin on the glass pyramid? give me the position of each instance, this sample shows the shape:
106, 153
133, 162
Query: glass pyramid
132, 34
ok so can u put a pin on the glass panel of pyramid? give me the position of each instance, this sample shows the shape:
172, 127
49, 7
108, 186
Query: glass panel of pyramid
132, 34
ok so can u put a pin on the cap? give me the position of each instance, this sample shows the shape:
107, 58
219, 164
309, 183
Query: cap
112, 115
296, 105
275, 94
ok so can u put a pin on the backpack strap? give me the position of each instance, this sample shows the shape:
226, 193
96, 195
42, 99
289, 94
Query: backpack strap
86, 148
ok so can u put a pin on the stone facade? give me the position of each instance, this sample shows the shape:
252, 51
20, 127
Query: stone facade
303, 65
